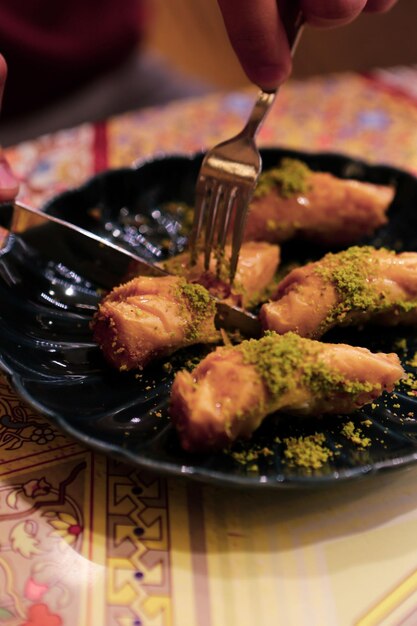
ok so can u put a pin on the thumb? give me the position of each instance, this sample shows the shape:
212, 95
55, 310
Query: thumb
9, 186
3, 75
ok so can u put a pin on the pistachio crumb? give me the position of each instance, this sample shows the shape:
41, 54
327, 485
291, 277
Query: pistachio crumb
285, 361
291, 177
199, 303
308, 452
355, 435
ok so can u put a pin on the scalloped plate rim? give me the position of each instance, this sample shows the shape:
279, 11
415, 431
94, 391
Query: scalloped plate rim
211, 476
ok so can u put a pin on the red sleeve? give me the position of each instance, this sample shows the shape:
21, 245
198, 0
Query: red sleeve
53, 47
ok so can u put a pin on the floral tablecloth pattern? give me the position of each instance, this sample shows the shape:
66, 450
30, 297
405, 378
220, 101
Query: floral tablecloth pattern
85, 540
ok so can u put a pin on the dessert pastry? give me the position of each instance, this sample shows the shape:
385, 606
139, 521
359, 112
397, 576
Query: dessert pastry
351, 287
234, 388
293, 201
258, 263
150, 317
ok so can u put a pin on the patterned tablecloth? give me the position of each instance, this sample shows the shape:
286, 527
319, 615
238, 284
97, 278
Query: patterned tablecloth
86, 541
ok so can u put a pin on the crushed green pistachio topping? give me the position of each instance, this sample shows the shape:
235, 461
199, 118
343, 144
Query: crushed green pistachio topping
400, 344
413, 360
351, 272
199, 303
355, 435
248, 456
307, 451
275, 358
287, 361
291, 177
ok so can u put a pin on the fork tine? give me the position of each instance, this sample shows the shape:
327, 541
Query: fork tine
199, 213
223, 223
216, 193
225, 214
242, 202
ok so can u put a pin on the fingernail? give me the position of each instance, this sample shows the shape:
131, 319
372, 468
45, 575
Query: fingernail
7, 178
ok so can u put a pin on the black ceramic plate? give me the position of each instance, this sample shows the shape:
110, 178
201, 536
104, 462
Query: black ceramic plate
46, 345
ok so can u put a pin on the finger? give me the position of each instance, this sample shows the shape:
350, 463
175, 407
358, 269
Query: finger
3, 75
328, 13
379, 6
259, 40
9, 185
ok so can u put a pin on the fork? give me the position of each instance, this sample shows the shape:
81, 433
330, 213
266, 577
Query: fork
229, 173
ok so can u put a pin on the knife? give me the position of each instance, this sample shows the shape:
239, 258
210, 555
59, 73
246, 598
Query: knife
103, 262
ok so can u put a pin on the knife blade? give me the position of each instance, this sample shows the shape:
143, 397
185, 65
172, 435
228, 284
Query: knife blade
102, 262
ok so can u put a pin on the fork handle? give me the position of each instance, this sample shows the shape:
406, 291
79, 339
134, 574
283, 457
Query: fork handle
293, 21
261, 107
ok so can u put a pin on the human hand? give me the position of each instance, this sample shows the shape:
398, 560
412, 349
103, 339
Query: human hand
8, 183
258, 37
